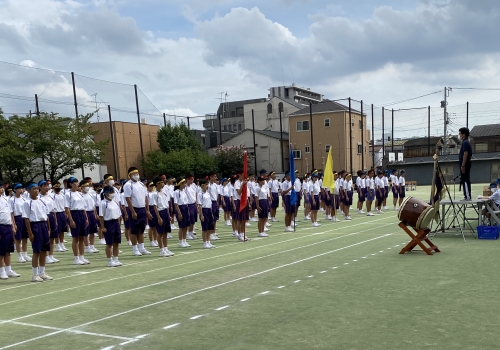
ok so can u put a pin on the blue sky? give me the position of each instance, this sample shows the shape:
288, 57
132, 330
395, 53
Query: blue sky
183, 53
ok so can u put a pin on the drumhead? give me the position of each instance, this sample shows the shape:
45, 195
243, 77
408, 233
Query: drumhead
425, 218
401, 207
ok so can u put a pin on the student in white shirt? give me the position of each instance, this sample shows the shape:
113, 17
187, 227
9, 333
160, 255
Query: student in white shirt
162, 210
297, 185
54, 233
251, 198
152, 235
191, 193
335, 197
226, 201
262, 204
206, 214
213, 190
379, 191
21, 234
348, 193
385, 180
360, 185
92, 217
181, 211
137, 201
109, 216
35, 214
307, 197
402, 183
62, 220
75, 211
7, 229
314, 189
395, 188
370, 192
286, 191
274, 188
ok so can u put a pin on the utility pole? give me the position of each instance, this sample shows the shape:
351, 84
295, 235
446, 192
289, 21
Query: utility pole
446, 121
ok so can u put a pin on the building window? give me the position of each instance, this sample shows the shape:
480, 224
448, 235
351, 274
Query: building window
297, 154
269, 108
308, 149
234, 127
327, 148
360, 148
233, 114
361, 124
286, 93
327, 122
481, 147
225, 127
303, 125
280, 107
239, 127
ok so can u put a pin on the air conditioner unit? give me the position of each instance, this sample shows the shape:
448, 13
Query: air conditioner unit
352, 121
143, 121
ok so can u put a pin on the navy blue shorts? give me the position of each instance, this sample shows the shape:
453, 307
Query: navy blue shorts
6, 240
192, 213
62, 222
208, 220
138, 225
165, 226
80, 229
361, 195
237, 214
54, 232
289, 208
299, 198
402, 193
370, 194
395, 191
380, 197
315, 206
154, 221
92, 228
336, 205
227, 204
328, 199
185, 216
113, 232
348, 198
41, 242
215, 210
386, 191
21, 231
254, 203
264, 208
275, 200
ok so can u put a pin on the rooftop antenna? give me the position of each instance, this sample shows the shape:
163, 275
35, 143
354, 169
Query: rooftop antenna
96, 106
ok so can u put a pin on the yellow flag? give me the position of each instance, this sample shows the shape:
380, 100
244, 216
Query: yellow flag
328, 175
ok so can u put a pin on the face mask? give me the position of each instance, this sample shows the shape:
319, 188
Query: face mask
111, 196
86, 189
50, 186
136, 177
111, 182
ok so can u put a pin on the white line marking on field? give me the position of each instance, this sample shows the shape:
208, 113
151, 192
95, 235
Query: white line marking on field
310, 276
245, 299
141, 336
128, 342
346, 263
195, 317
193, 292
374, 254
354, 260
297, 281
364, 257
182, 264
263, 293
381, 251
322, 271
108, 348
171, 326
222, 308
71, 331
281, 287
388, 248
335, 267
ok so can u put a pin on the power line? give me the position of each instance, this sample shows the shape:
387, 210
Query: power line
410, 99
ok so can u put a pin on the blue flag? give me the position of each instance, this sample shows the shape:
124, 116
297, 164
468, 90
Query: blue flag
293, 195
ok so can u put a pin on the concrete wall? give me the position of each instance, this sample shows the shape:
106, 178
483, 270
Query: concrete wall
265, 121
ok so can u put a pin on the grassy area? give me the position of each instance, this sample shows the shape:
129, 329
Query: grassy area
338, 286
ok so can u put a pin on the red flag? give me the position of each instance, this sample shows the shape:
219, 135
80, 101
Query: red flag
244, 193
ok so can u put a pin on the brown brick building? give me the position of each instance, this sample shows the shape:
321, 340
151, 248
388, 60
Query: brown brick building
331, 128
127, 145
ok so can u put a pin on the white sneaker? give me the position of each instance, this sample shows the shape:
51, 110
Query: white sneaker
288, 229
348, 217
147, 227
248, 224
77, 261
328, 217
102, 241
211, 245
235, 234
169, 252
380, 211
46, 277
152, 244
27, 258
111, 263
88, 250
54, 259
206, 246
228, 223
307, 217
169, 236
3, 276
117, 262
396, 208
94, 250
136, 253
334, 219
187, 245
85, 261
262, 234
190, 236
129, 243
36, 279
253, 219
370, 214
361, 212
266, 229
385, 208
145, 252
181, 245
241, 238
59, 249
163, 254
315, 224
64, 248
20, 259
268, 224
13, 273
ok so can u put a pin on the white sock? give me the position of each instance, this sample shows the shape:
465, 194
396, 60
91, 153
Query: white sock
2, 270
82, 257
141, 246
115, 258
110, 259
134, 248
24, 254
35, 271
51, 256
181, 241
41, 270
19, 255
8, 269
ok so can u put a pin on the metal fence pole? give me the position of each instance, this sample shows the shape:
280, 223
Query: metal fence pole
350, 135
76, 111
254, 146
311, 127
139, 121
112, 141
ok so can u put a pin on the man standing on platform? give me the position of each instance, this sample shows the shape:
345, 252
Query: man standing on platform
464, 160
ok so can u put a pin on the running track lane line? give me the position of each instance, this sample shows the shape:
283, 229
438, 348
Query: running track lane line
172, 266
196, 291
197, 251
179, 278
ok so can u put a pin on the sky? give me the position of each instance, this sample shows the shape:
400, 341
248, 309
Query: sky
183, 53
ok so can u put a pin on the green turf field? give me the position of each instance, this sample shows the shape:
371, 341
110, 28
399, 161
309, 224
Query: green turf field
338, 286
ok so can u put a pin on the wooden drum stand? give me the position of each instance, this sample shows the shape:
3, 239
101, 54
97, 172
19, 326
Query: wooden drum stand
419, 239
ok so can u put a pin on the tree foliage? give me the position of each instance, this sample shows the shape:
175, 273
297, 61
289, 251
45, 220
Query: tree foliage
64, 144
179, 163
229, 159
176, 138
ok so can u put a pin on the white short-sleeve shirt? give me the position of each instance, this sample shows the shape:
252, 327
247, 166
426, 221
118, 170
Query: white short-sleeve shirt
109, 210
136, 191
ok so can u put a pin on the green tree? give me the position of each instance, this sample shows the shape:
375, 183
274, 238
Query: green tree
177, 137
229, 159
179, 163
